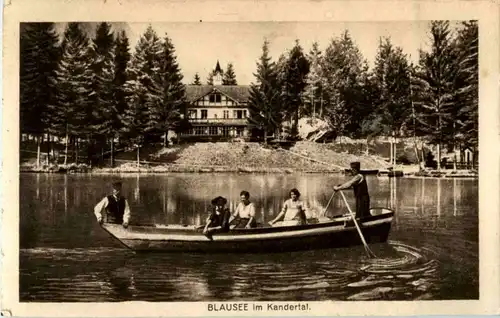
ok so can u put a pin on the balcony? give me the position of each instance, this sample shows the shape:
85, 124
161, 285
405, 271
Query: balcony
219, 121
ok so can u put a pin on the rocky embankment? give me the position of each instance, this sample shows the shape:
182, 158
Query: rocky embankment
305, 157
248, 158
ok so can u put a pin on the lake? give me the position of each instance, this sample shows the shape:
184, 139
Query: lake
65, 256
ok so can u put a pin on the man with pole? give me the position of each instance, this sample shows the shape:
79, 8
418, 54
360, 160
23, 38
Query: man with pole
358, 184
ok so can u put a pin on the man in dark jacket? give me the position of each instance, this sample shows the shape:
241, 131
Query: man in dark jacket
116, 207
358, 184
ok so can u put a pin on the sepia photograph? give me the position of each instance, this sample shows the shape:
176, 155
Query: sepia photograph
249, 147
249, 166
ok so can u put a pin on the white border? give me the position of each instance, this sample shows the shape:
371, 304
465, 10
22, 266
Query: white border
486, 12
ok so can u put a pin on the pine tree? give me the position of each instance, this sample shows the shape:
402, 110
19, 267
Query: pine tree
435, 81
344, 75
210, 78
104, 114
39, 56
312, 96
168, 108
294, 83
197, 80
121, 60
74, 78
229, 78
265, 96
467, 85
142, 90
392, 90
135, 119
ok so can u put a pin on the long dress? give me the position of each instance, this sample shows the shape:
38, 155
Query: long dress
294, 212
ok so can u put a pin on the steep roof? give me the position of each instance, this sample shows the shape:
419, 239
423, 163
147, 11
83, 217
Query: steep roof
239, 93
218, 69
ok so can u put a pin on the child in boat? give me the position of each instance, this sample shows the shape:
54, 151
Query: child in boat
293, 212
218, 220
244, 215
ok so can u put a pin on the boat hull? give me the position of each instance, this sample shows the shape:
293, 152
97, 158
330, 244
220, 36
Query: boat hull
332, 234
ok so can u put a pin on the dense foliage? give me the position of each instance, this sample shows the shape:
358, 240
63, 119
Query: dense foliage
86, 89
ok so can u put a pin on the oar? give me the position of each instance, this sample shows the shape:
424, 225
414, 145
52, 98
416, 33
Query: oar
328, 204
367, 249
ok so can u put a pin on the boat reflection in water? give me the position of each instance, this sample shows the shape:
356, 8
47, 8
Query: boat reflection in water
432, 252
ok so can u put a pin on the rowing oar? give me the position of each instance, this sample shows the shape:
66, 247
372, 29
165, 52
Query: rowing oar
328, 204
367, 249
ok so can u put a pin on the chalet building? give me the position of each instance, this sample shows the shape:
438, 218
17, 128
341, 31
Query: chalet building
217, 112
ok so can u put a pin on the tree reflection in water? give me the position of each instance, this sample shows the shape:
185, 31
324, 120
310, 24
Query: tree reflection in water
63, 247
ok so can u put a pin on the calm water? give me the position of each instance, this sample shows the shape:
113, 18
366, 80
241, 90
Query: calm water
65, 256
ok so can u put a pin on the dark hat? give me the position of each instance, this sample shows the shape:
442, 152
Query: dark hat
356, 165
217, 199
117, 185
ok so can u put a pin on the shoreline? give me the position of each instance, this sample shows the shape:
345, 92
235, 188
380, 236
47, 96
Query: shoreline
404, 171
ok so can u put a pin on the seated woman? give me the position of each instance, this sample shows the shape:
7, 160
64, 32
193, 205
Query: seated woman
293, 212
218, 220
244, 215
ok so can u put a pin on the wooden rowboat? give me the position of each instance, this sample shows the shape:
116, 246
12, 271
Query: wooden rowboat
317, 234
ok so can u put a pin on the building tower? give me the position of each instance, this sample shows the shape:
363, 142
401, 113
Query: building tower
218, 74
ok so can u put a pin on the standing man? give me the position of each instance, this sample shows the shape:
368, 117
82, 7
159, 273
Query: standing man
358, 184
116, 206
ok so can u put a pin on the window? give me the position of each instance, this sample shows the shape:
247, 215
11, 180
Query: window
240, 114
213, 131
204, 114
226, 114
199, 130
239, 131
215, 98
225, 131
192, 113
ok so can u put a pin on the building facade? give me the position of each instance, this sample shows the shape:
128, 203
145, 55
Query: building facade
217, 112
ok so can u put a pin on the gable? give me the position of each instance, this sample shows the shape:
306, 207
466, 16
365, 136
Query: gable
236, 93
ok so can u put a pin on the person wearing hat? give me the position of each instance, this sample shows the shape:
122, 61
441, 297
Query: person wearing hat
358, 184
218, 220
116, 207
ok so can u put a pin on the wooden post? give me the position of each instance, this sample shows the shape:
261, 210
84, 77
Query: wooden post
112, 150
38, 146
138, 163
66, 149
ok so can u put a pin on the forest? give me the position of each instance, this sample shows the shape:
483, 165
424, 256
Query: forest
91, 91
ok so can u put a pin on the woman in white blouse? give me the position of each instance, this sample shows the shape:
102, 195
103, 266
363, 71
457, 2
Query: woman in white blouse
293, 212
244, 215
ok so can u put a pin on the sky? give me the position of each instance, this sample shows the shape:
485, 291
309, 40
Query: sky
200, 44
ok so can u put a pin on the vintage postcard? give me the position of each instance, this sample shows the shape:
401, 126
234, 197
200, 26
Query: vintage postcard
238, 158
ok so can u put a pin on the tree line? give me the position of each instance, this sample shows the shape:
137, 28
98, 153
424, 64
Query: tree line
435, 100
92, 90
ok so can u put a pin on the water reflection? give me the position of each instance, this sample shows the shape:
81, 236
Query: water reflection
434, 253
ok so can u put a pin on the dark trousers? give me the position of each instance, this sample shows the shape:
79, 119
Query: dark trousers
363, 207
240, 223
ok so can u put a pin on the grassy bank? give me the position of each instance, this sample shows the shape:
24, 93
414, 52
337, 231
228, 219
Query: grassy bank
305, 157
